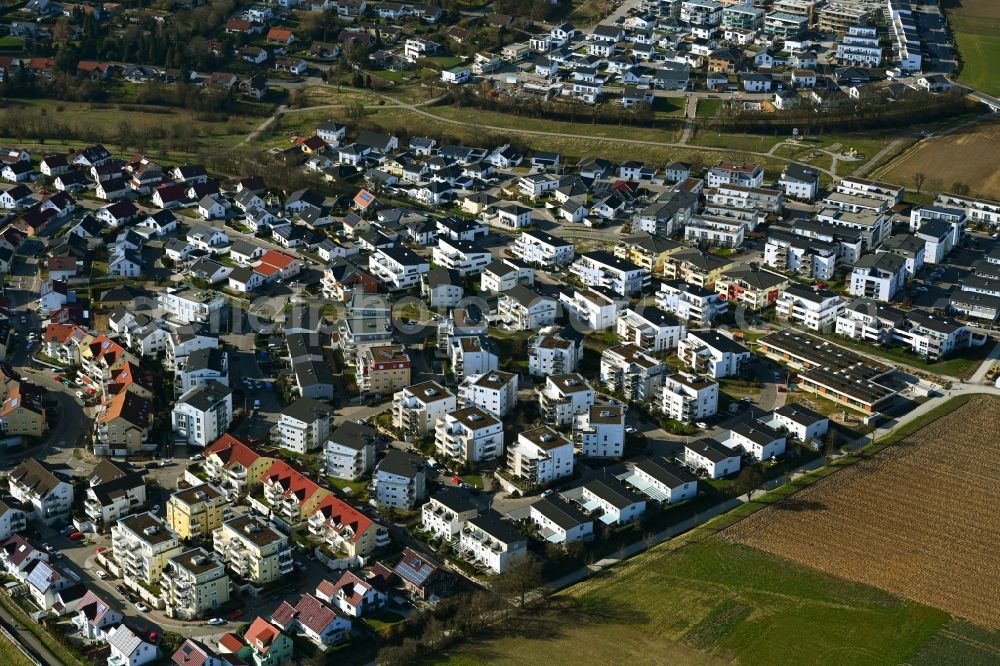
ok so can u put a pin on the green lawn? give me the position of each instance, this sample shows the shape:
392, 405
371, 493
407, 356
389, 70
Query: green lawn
11, 42
754, 142
708, 107
715, 602
12, 655
445, 62
976, 24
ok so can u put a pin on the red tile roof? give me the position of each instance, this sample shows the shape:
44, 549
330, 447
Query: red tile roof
342, 517
261, 635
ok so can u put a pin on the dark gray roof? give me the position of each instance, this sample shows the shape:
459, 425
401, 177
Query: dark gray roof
401, 463
307, 410
612, 491
560, 512
665, 472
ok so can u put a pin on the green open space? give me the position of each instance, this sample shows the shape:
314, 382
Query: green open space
976, 26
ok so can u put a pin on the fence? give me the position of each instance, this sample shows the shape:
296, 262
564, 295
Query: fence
28, 654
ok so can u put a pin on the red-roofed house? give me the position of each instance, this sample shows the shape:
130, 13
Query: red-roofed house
314, 620
292, 496
94, 617
355, 597
345, 529
279, 265
234, 466
195, 653
366, 201
280, 36
263, 644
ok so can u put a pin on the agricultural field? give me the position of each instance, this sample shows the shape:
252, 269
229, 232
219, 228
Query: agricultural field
970, 156
917, 520
976, 24
12, 656
712, 602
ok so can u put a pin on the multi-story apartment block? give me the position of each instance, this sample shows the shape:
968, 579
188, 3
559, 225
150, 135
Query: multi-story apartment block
873, 225
304, 425
290, 496
618, 505
979, 211
694, 304
732, 173
663, 481
491, 542
383, 370
878, 276
688, 398
542, 249
446, 513
203, 414
810, 307
400, 480
564, 397
630, 371
416, 409
869, 321
695, 267
470, 435
603, 269
350, 451
523, 309
201, 367
932, 336
193, 584
11, 520
45, 497
122, 426
192, 305
540, 456
650, 328
473, 355
589, 310
397, 267
713, 354
253, 550
751, 287
464, 257
553, 353
600, 431
141, 545
701, 12
346, 530
502, 274
809, 257
233, 467
195, 511
495, 392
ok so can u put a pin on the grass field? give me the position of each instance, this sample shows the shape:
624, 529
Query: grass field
714, 602
970, 156
708, 107
914, 520
12, 656
976, 24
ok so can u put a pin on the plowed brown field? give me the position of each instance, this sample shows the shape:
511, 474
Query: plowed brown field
921, 519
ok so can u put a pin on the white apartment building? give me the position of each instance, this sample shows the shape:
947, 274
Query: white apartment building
758, 439
522, 309
558, 521
564, 397
628, 370
253, 550
141, 545
591, 310
304, 425
113, 492
800, 422
687, 398
472, 355
400, 480
397, 267
733, 173
650, 328
203, 414
492, 543
192, 305
599, 431
503, 274
716, 459
617, 504
470, 435
350, 451
446, 513
878, 276
810, 307
549, 353
713, 354
540, 248
495, 392
808, 257
415, 410
461, 256
662, 481
869, 321
603, 269
540, 456
46, 498
692, 303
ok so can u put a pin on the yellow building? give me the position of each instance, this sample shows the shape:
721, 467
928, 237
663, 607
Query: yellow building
196, 510
253, 550
647, 251
233, 466
383, 369
193, 584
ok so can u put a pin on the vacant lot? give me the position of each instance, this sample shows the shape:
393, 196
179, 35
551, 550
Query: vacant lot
918, 520
713, 602
970, 156
976, 24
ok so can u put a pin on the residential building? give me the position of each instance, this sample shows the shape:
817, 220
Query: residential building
609, 501
446, 513
350, 451
289, 496
878, 276
233, 466
662, 481
196, 511
542, 249
346, 531
540, 456
632, 373
114, 491
397, 267
758, 439
590, 309
694, 304
416, 409
203, 414
751, 287
44, 496
262, 644
472, 355
522, 309
383, 370
550, 352
649, 328
141, 545
603, 269
304, 425
712, 457
800, 422
193, 584
400, 480
127, 648
558, 521
492, 543
463, 257
714, 354
688, 398
564, 397
810, 307
316, 621
470, 435
494, 392
253, 550
423, 578
600, 431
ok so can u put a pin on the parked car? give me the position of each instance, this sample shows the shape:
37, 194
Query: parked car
236, 614
141, 607
548, 493
702, 425
631, 430
156, 508
101, 574
76, 536
216, 621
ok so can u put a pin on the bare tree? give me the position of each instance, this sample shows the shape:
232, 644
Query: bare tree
520, 581
918, 180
